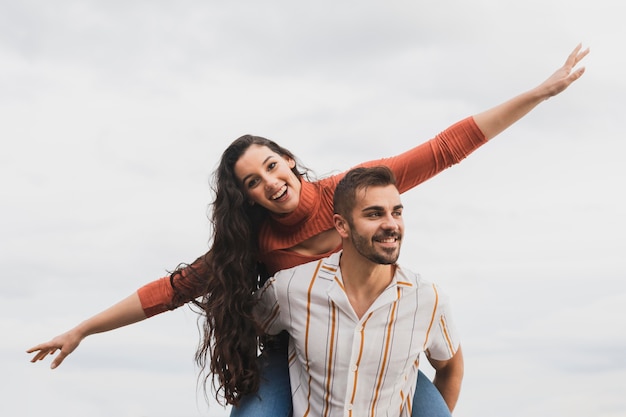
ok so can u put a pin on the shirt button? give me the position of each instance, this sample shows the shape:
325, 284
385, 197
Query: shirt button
349, 407
353, 368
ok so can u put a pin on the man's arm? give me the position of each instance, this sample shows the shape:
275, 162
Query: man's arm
448, 377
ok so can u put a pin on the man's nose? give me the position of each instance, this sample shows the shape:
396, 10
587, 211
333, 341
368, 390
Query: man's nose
390, 222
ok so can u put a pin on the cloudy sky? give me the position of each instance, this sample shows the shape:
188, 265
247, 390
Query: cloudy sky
114, 113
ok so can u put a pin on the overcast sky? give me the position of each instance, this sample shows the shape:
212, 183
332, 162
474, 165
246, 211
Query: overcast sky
113, 115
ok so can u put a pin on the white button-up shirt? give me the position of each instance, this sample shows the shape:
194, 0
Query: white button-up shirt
343, 365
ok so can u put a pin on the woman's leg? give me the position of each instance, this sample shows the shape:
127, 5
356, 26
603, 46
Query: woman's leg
427, 401
274, 396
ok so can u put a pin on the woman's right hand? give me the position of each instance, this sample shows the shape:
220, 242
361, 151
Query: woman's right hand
566, 75
65, 343
495, 120
127, 311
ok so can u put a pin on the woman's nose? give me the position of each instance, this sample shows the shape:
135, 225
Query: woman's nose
269, 182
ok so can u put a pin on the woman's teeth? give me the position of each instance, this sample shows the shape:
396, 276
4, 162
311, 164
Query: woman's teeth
279, 193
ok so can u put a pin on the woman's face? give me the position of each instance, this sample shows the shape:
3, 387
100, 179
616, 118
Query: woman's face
267, 179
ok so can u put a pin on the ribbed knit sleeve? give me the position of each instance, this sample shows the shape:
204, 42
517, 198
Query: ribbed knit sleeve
424, 161
156, 296
190, 282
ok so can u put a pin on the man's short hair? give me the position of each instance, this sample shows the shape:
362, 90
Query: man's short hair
357, 179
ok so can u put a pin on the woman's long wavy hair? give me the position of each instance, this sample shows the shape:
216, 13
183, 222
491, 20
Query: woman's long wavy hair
229, 275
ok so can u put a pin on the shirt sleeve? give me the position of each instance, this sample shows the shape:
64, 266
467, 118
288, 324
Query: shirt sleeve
432, 157
444, 339
267, 308
190, 281
156, 296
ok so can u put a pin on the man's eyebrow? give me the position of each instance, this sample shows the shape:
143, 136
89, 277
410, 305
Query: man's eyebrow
381, 208
372, 208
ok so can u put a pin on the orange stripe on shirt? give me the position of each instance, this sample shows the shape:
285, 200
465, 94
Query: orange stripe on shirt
409, 405
306, 335
432, 318
444, 328
390, 325
331, 351
340, 284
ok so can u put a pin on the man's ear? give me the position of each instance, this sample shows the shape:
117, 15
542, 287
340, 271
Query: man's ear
341, 225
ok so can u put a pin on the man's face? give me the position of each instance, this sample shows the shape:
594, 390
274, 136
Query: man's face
376, 227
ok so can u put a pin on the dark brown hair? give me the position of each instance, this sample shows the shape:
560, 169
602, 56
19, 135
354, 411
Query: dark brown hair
228, 275
357, 179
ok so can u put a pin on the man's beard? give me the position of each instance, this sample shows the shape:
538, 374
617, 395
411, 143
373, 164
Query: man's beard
366, 247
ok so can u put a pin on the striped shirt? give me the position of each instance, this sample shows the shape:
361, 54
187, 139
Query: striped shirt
343, 365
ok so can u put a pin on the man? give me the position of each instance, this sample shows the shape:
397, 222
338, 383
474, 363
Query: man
357, 321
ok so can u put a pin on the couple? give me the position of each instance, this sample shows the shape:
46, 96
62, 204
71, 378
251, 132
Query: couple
268, 216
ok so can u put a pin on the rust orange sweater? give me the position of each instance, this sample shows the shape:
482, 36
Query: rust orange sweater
315, 211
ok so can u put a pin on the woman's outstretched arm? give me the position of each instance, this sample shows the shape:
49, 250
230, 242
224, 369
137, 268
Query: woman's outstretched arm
127, 311
497, 119
455, 143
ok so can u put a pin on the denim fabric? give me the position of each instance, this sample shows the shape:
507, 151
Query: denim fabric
427, 401
274, 396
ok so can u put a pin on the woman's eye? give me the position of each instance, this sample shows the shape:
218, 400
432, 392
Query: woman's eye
253, 183
271, 165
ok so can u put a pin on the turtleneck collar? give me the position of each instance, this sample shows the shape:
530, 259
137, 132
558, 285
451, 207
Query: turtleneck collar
308, 205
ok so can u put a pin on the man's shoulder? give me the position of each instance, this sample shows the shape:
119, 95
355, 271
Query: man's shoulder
409, 278
295, 284
330, 263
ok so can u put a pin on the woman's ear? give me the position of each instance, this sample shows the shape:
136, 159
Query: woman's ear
341, 225
291, 162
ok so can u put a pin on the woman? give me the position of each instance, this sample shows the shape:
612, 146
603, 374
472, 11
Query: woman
268, 216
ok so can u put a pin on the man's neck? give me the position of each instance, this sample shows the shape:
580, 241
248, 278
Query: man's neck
363, 280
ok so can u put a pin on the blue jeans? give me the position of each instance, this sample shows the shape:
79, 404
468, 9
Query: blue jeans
274, 396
